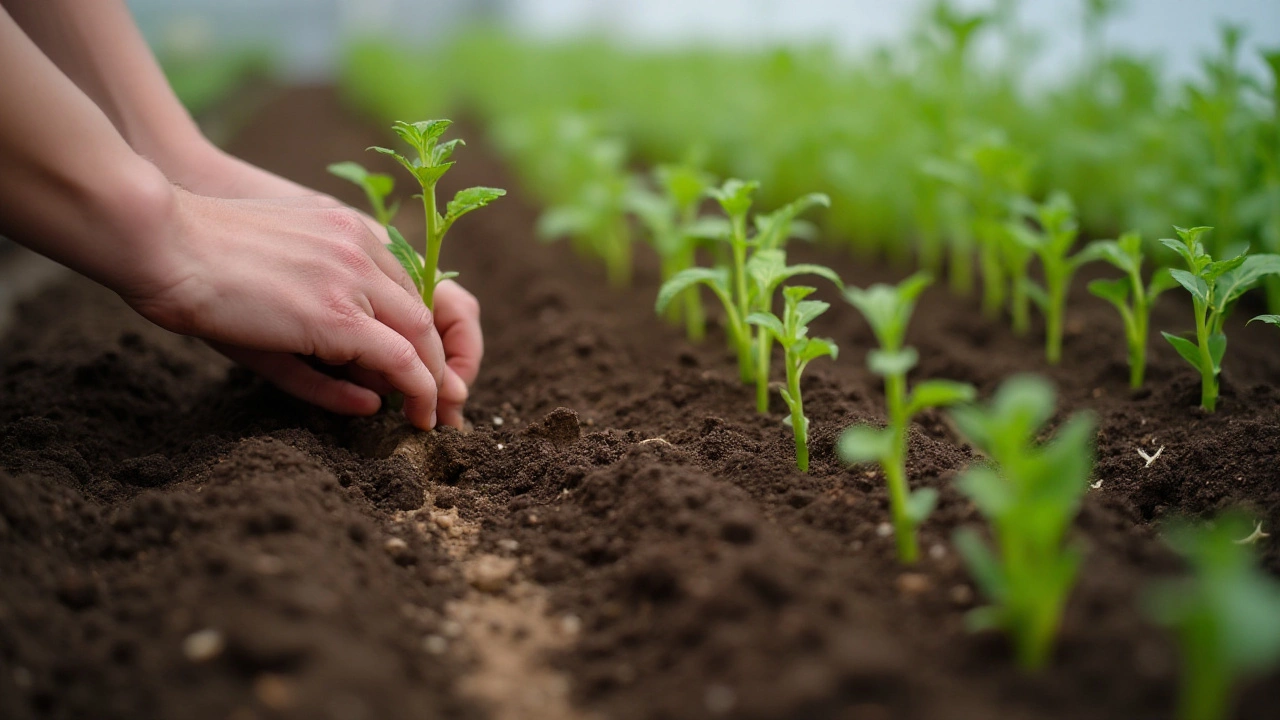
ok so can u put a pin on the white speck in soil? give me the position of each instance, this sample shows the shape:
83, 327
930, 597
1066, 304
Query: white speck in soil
509, 545
435, 644
497, 421
571, 624
720, 699
395, 545
937, 551
203, 645
884, 530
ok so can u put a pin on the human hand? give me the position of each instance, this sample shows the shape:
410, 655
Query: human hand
267, 280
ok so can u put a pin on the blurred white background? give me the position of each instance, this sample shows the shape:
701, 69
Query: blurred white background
307, 35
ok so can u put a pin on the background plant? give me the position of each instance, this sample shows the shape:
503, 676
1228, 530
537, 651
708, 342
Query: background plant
1052, 239
1226, 615
1130, 296
792, 333
1029, 494
888, 309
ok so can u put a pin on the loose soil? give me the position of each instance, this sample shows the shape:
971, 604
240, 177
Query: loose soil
620, 536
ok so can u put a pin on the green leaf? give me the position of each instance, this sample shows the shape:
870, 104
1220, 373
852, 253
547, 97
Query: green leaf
939, 393
815, 348
429, 176
471, 199
1194, 284
771, 323
807, 310
1217, 348
1036, 293
920, 503
444, 150
408, 258
892, 362
983, 566
775, 227
442, 276
1186, 349
1115, 291
864, 443
988, 491
1249, 271
735, 196
709, 228
1181, 248
562, 221
715, 278
1269, 319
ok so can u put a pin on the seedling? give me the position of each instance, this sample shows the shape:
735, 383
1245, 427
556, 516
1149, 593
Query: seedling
427, 168
1215, 286
1051, 241
1226, 615
791, 331
888, 309
1029, 495
675, 231
596, 216
1129, 295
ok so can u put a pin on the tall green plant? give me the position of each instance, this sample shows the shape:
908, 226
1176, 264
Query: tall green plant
1029, 494
888, 309
1052, 241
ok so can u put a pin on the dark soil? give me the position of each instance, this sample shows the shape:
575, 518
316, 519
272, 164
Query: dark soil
148, 491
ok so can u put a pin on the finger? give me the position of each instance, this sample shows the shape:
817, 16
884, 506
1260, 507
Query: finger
375, 346
374, 243
457, 319
406, 315
293, 376
368, 379
452, 400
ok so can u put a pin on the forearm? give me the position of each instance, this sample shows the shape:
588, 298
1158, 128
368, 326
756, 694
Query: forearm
72, 188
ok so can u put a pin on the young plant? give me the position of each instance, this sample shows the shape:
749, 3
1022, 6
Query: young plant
1226, 615
1129, 295
676, 232
1051, 241
431, 162
596, 215
768, 269
888, 310
791, 331
1029, 495
1215, 286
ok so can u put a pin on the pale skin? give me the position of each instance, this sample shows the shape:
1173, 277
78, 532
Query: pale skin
106, 173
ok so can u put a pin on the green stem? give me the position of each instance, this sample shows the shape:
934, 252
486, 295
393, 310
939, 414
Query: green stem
764, 349
1020, 307
960, 269
798, 423
895, 469
1206, 687
993, 280
740, 298
1208, 378
670, 265
434, 238
1136, 327
1056, 286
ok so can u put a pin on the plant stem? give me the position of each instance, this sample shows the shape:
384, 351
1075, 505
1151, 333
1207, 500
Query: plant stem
764, 348
740, 298
1055, 285
993, 281
434, 237
798, 424
1208, 377
1205, 692
895, 469
1136, 328
1020, 307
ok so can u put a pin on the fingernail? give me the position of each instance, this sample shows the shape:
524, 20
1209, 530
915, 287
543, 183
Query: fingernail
432, 422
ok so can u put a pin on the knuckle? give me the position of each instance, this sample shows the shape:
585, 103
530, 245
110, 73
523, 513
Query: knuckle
404, 358
421, 320
345, 221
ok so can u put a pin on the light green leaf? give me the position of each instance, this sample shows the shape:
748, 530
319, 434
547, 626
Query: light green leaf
1217, 348
864, 443
815, 348
408, 258
471, 199
939, 393
892, 362
735, 196
807, 310
1269, 319
920, 503
1161, 281
1251, 270
1194, 284
772, 324
983, 566
988, 491
1115, 291
1185, 348
715, 278
1181, 248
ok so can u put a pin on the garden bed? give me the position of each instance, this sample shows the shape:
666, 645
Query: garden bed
178, 539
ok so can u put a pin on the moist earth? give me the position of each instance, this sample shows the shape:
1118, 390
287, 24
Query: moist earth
180, 540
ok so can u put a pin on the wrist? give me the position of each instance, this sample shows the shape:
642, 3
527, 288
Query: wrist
136, 207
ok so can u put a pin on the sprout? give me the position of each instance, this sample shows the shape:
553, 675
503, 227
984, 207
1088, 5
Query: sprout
1129, 295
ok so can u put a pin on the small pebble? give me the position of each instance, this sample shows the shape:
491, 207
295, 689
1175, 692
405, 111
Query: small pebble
938, 551
571, 624
961, 595
501, 446
720, 699
508, 544
913, 584
435, 644
490, 573
497, 421
274, 691
884, 529
203, 645
444, 521
395, 545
